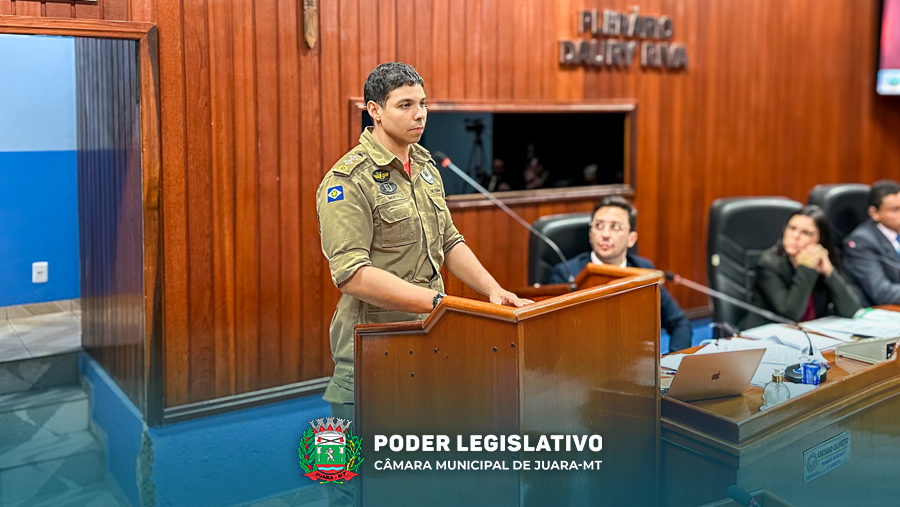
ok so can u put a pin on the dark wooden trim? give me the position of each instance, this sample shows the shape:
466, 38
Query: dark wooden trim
522, 197
547, 195
146, 35
484, 106
243, 401
23, 25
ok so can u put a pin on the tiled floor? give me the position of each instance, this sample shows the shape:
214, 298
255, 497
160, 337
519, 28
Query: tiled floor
29, 336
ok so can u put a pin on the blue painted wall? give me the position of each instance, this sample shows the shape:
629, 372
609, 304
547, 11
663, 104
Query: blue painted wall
229, 459
38, 168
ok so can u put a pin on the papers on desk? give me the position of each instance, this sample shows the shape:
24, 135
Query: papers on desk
794, 338
876, 315
877, 326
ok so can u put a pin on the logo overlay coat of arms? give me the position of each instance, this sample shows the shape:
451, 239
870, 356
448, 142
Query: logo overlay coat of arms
329, 451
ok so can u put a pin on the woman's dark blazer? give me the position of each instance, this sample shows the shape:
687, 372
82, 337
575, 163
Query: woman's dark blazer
785, 290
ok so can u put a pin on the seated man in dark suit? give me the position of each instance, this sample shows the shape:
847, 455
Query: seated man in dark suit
869, 250
611, 234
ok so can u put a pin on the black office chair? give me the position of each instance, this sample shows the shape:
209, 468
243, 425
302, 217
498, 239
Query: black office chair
846, 205
740, 229
570, 232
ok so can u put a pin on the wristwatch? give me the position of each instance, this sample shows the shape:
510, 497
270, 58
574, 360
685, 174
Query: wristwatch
437, 299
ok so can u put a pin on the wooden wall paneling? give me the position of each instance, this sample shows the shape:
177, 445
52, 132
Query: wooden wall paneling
201, 345
116, 10
151, 168
334, 143
368, 39
90, 11
28, 8
505, 49
314, 337
350, 81
6, 7
456, 23
58, 9
519, 38
549, 53
289, 17
247, 235
441, 73
268, 125
490, 43
570, 82
144, 10
474, 48
423, 59
222, 145
387, 30
404, 31
174, 204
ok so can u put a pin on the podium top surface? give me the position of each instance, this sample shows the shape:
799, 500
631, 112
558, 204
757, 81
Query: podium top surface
627, 279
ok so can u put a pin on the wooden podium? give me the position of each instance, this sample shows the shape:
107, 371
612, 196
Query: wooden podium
583, 363
709, 445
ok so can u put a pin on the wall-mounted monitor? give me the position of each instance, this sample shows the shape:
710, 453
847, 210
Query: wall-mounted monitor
889, 50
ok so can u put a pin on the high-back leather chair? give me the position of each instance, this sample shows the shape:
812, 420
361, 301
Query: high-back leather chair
740, 230
570, 233
846, 205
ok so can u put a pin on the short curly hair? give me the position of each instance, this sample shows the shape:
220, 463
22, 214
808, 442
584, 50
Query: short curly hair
386, 78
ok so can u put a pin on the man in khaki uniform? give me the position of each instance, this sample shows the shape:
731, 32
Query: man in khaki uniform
385, 226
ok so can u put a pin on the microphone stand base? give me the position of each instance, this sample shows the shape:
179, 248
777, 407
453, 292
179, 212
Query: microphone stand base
794, 374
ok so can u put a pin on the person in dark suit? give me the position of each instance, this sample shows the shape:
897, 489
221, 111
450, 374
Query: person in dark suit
800, 277
876, 282
611, 234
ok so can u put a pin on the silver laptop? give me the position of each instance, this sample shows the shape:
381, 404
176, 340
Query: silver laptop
715, 375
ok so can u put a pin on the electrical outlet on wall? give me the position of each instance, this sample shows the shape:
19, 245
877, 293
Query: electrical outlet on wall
40, 272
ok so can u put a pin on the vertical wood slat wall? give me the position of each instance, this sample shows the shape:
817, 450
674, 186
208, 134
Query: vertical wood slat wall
110, 209
779, 96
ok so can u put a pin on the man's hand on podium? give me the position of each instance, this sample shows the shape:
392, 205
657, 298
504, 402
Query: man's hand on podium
506, 298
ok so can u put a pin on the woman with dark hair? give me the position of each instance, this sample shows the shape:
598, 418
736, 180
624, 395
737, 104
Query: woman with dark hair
801, 278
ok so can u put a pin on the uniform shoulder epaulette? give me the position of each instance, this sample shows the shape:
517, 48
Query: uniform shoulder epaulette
350, 161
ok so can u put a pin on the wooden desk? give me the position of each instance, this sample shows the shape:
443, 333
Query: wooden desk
708, 445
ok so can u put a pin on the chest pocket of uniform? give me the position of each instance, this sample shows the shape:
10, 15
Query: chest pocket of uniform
396, 224
440, 207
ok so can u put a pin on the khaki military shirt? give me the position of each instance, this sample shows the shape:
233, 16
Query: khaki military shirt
371, 213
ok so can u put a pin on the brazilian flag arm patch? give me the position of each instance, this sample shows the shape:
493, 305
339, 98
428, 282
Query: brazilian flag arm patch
335, 193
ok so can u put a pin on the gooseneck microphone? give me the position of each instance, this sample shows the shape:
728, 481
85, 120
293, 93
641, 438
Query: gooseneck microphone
679, 280
741, 496
789, 373
444, 161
